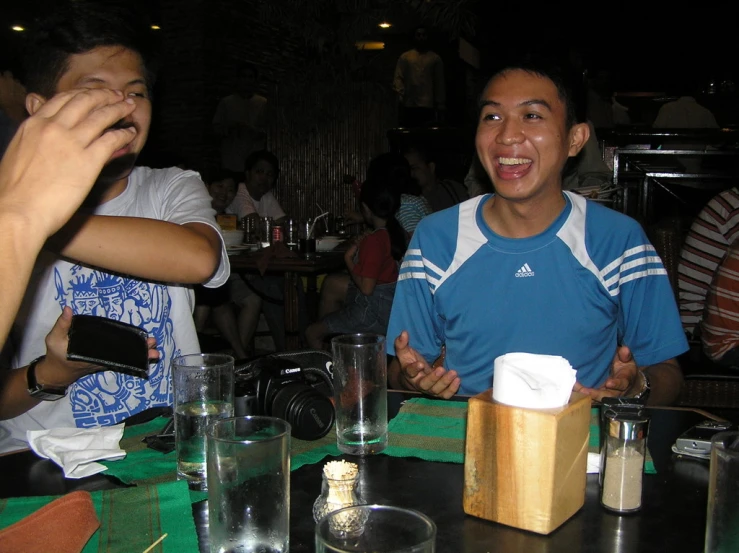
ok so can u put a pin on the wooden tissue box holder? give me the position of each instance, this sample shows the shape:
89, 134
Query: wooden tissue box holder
526, 468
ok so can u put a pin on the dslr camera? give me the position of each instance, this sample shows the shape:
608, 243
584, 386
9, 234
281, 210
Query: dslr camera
296, 387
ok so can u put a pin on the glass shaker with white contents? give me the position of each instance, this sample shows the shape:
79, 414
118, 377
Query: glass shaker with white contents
623, 465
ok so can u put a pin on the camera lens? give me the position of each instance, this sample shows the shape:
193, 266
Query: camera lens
310, 413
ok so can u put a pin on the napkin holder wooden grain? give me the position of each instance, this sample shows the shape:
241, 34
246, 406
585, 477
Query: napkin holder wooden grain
526, 468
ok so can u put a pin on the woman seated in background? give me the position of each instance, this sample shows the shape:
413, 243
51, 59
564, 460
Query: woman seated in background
394, 171
216, 303
372, 261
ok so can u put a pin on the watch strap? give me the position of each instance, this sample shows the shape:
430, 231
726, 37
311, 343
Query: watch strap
646, 387
39, 391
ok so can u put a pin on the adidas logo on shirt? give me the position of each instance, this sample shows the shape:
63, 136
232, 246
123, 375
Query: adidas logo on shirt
524, 271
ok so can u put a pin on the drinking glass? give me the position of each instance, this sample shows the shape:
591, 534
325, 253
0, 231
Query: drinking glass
203, 392
722, 524
249, 485
360, 393
375, 529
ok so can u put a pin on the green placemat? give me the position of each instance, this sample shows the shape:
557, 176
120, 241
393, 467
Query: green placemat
143, 465
434, 430
131, 519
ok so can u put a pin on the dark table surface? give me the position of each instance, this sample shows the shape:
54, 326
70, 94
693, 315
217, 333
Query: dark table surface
672, 516
316, 264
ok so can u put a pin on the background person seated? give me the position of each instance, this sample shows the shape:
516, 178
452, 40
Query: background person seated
216, 302
714, 229
372, 261
254, 198
720, 325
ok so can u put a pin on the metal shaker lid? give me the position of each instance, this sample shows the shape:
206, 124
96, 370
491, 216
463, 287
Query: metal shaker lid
629, 425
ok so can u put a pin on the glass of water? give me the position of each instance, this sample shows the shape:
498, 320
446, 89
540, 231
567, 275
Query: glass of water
203, 392
249, 485
360, 393
375, 529
722, 524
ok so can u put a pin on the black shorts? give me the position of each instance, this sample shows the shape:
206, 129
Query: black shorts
212, 297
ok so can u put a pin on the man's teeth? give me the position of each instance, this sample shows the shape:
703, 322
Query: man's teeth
513, 160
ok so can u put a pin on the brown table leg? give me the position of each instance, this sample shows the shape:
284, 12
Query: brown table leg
311, 298
292, 324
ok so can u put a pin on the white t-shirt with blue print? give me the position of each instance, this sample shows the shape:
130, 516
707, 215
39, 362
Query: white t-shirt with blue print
589, 282
163, 310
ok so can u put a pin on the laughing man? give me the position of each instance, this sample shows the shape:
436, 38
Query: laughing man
534, 269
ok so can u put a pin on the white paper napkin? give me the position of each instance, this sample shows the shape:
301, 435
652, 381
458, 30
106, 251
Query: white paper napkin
593, 462
533, 381
77, 449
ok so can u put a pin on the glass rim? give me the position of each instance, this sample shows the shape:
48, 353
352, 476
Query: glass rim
374, 507
274, 421
346, 339
221, 358
718, 439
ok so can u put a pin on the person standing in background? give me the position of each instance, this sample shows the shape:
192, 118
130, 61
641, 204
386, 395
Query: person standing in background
419, 82
238, 121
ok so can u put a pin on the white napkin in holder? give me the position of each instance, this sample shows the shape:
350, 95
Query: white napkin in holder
75, 450
533, 381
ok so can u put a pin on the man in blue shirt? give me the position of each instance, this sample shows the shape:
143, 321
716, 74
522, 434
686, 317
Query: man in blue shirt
532, 268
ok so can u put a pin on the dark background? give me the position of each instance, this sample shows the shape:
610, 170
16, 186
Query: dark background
331, 106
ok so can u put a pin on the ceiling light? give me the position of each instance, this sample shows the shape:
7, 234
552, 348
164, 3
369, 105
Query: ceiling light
18, 28
369, 45
156, 27
385, 25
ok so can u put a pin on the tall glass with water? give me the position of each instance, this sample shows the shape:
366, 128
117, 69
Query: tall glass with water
360, 393
203, 392
249, 485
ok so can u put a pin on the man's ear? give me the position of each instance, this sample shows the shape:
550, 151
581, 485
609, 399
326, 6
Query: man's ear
579, 134
34, 102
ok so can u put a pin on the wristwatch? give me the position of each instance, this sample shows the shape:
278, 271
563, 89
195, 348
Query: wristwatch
39, 391
646, 388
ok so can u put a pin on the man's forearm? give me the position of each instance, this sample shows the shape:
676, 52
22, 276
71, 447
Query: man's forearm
14, 397
144, 248
22, 240
665, 381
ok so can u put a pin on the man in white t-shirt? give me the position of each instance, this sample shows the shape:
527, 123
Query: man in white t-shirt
138, 229
238, 121
255, 199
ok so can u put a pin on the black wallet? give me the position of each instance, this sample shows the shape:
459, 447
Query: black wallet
109, 343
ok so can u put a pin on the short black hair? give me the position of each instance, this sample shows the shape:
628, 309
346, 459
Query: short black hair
76, 28
424, 151
217, 174
263, 155
570, 88
394, 170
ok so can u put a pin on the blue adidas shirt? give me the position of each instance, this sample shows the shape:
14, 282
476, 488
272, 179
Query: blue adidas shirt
589, 282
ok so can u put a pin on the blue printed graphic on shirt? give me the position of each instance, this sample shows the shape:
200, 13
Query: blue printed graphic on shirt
108, 397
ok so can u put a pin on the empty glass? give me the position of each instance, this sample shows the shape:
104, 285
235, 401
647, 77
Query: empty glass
722, 524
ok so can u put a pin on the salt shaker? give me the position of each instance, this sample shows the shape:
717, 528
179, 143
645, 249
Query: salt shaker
623, 466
